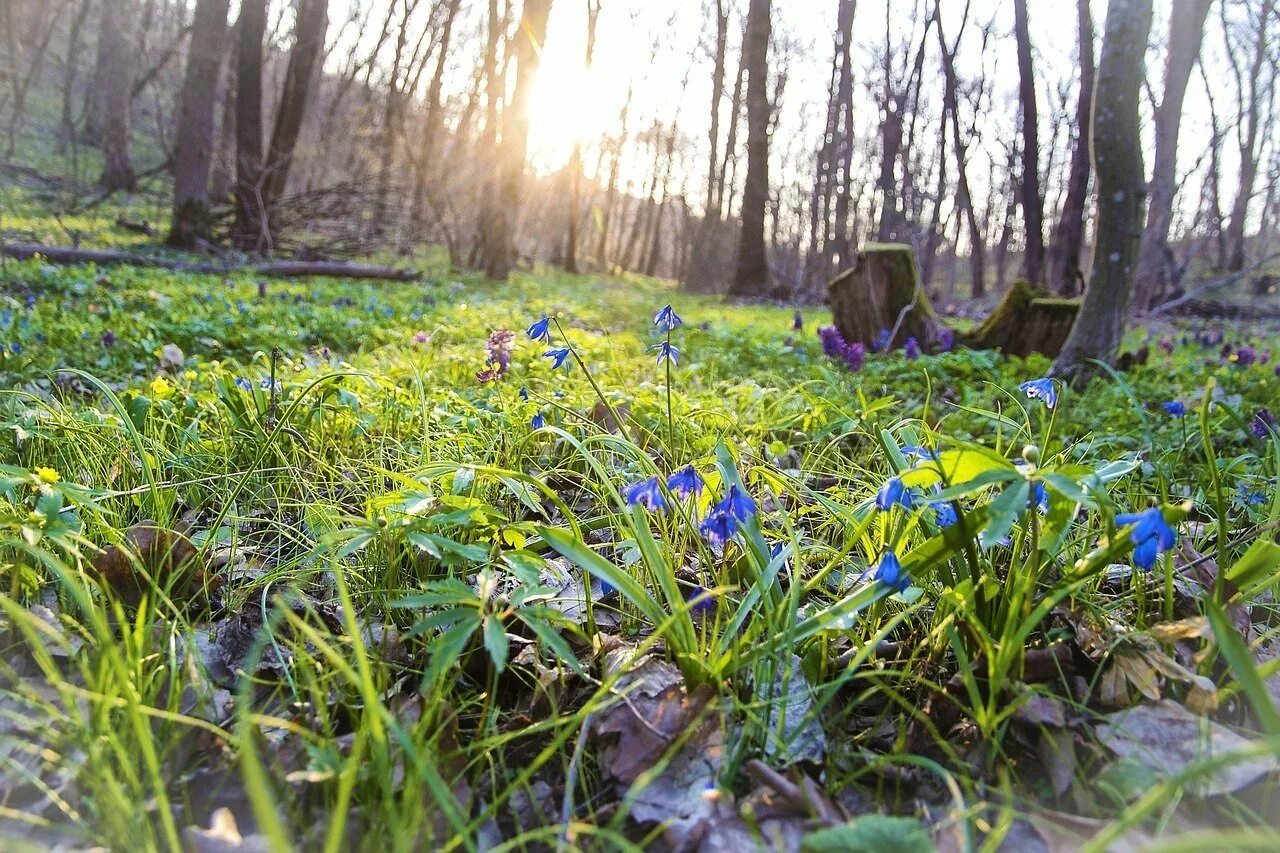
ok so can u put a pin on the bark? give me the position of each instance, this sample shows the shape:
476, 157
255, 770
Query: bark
530, 36
717, 95
1251, 121
119, 29
575, 161
964, 197
251, 221
751, 277
1117, 156
428, 170
1186, 29
304, 58
1065, 275
488, 147
839, 250
191, 220
1026, 321
1032, 203
881, 291
70, 71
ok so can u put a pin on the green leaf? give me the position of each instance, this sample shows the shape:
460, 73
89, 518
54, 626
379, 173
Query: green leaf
1006, 509
1244, 668
958, 466
578, 553
1257, 569
495, 641
871, 833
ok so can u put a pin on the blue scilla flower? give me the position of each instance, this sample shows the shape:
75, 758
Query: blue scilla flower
1174, 408
538, 421
944, 514
1041, 389
894, 492
1039, 496
881, 343
666, 352
737, 503
912, 451
700, 602
243, 384
889, 572
685, 482
557, 356
667, 318
540, 331
719, 527
1151, 535
646, 493
524, 394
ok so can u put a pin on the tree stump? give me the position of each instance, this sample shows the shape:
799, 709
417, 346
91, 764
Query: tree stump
882, 285
1027, 320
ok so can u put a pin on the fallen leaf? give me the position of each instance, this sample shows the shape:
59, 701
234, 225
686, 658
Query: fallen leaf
222, 835
153, 557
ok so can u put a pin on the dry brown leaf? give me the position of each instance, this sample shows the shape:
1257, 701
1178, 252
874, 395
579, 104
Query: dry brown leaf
154, 557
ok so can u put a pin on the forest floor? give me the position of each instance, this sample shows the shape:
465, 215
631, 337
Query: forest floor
358, 564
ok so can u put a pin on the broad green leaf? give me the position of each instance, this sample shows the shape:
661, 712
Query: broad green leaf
1258, 569
1244, 668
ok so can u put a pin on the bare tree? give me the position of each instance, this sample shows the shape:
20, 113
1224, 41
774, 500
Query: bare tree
575, 160
119, 29
1065, 275
1252, 90
427, 168
304, 58
951, 109
1032, 203
251, 216
751, 277
1117, 155
70, 71
191, 220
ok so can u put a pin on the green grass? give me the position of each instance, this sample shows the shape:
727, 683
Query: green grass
377, 535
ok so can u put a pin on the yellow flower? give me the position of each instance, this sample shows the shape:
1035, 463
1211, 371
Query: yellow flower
161, 387
47, 475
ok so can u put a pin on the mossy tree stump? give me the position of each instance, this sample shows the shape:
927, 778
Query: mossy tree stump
1027, 320
882, 284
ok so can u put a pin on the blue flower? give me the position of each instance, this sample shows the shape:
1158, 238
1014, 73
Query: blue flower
1039, 496
667, 318
557, 356
944, 514
538, 421
719, 527
666, 352
685, 482
1174, 408
890, 573
1150, 536
912, 451
646, 493
524, 393
700, 602
894, 492
1041, 389
911, 349
243, 384
797, 322
737, 504
882, 341
540, 331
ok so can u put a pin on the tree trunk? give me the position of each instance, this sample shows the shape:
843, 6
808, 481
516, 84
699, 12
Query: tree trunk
1186, 29
529, 39
1032, 203
251, 222
191, 220
964, 196
575, 161
70, 70
427, 170
751, 278
1065, 275
116, 66
304, 58
881, 286
1248, 147
1117, 155
1027, 320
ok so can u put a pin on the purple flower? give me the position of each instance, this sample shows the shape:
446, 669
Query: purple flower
109, 339
855, 355
1245, 356
946, 340
646, 493
667, 318
1263, 423
557, 356
911, 349
719, 527
540, 331
1150, 535
833, 344
685, 482
797, 322
1166, 344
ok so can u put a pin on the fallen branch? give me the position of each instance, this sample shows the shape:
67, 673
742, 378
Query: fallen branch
274, 269
1215, 284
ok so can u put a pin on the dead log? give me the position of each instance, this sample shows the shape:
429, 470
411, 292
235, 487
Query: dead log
1027, 320
882, 292
277, 269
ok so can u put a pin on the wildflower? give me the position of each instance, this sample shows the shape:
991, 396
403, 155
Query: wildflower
685, 482
1151, 534
1039, 497
1041, 389
524, 394
243, 384
557, 356
538, 421
890, 573
421, 337
540, 331
894, 492
667, 318
646, 493
1244, 356
498, 350
911, 349
944, 514
797, 322
700, 602
833, 343
1174, 408
666, 352
737, 504
1263, 423
1166, 344
946, 340
719, 527
912, 451
109, 339
48, 476
882, 341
